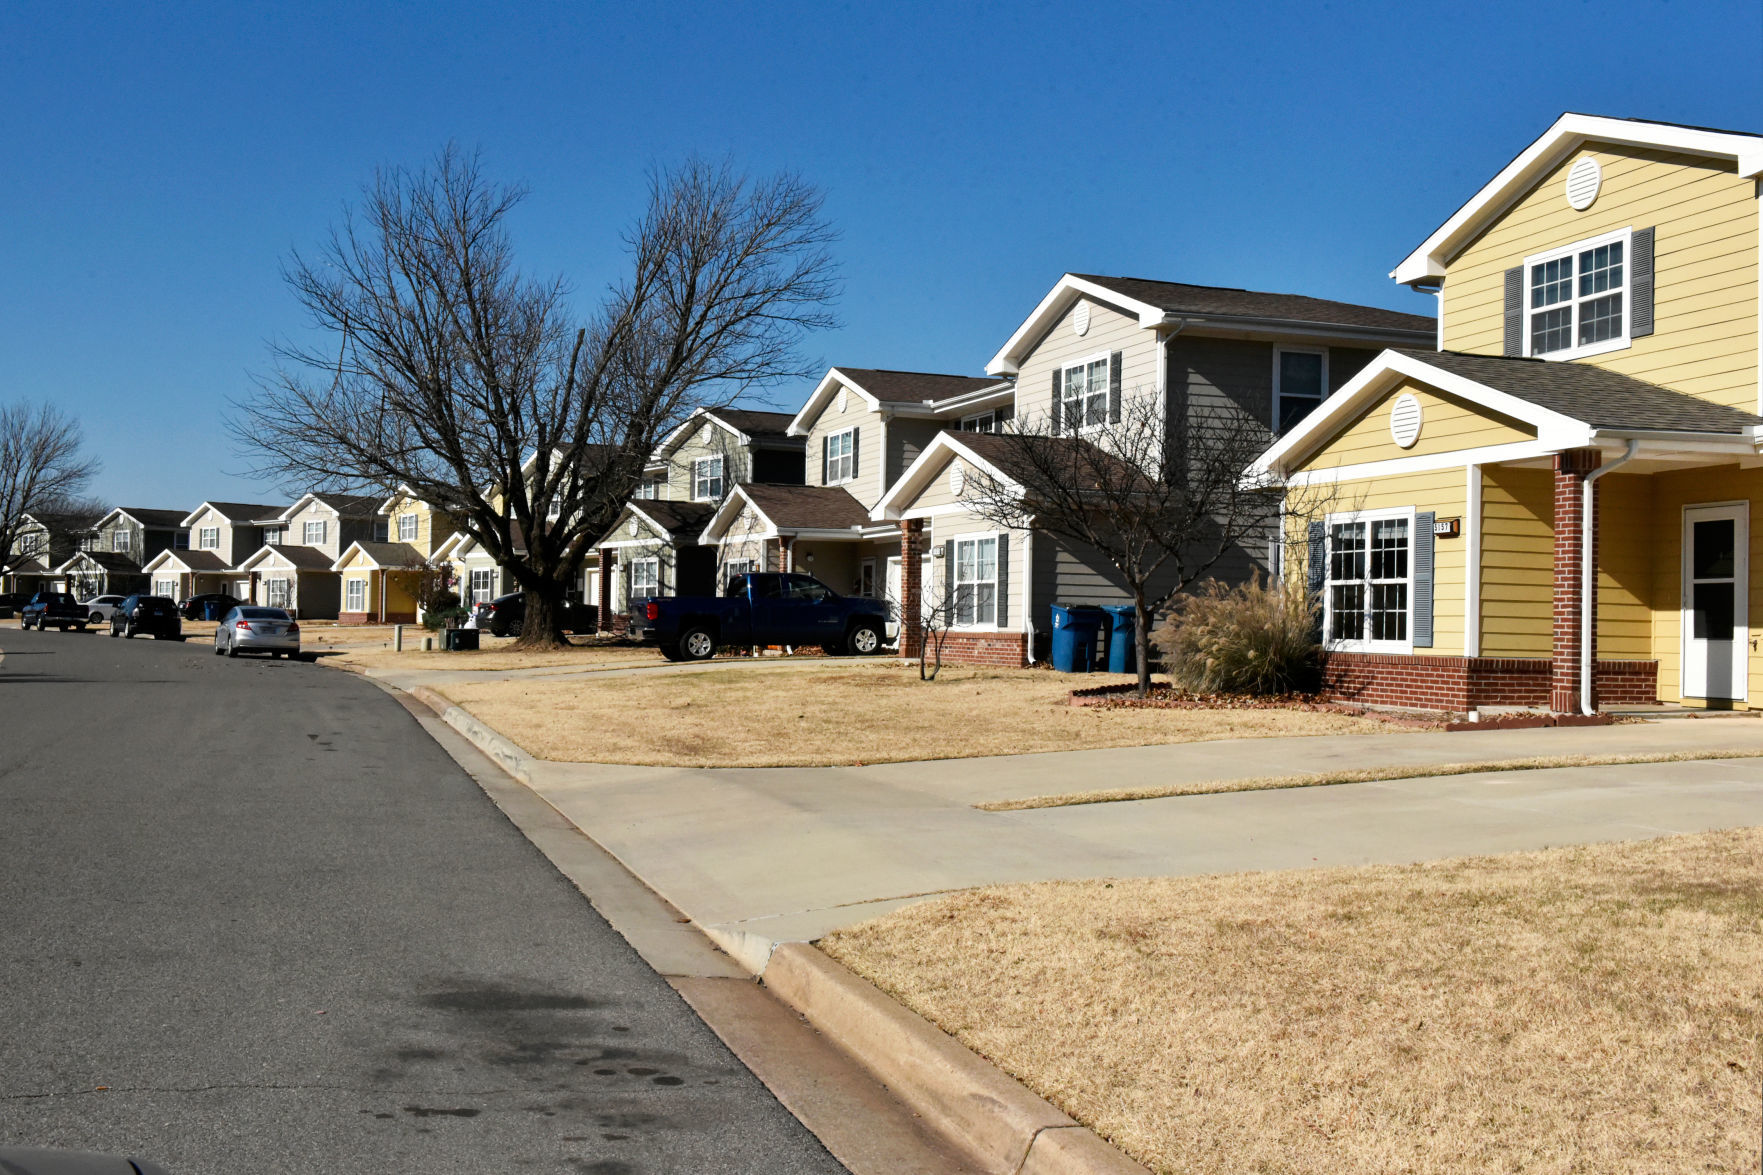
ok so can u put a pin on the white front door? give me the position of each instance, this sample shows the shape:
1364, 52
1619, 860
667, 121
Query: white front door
1716, 634
926, 578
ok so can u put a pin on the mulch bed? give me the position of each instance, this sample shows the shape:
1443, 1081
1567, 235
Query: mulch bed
1167, 697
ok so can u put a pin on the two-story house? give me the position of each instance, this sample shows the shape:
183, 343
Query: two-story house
1554, 506
41, 543
381, 579
1093, 348
112, 557
294, 569
221, 536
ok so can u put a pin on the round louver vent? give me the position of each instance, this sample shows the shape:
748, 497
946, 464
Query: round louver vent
1405, 420
1583, 181
1080, 318
633, 526
957, 480
844, 399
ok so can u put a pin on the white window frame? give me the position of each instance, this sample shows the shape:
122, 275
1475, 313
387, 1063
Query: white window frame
277, 592
352, 587
839, 466
482, 581
166, 587
989, 417
274, 534
701, 481
1367, 517
652, 584
1106, 359
408, 524
736, 567
1621, 341
208, 538
307, 530
1279, 394
119, 541
956, 583
651, 485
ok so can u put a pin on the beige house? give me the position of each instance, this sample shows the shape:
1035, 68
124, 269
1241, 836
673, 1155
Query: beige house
295, 567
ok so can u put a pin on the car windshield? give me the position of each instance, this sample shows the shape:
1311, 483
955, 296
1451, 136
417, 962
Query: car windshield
261, 613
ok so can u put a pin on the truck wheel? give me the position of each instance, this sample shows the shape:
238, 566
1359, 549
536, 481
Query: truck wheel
696, 644
671, 652
864, 640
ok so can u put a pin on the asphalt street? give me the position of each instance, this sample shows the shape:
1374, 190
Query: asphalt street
253, 919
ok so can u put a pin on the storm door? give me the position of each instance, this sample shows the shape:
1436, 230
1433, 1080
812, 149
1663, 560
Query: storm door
1715, 608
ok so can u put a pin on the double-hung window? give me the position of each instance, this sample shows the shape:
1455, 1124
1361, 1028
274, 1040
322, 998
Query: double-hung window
841, 457
276, 593
483, 584
1300, 381
166, 587
1083, 394
208, 538
976, 581
980, 422
407, 528
645, 578
312, 534
650, 487
1366, 596
357, 590
707, 479
1576, 298
737, 567
119, 541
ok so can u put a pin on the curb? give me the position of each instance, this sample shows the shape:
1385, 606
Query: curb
996, 1119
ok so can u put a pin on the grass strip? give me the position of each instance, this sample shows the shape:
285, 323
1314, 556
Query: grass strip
1207, 787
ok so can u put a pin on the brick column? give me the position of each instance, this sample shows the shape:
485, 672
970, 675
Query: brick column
1571, 468
608, 561
911, 585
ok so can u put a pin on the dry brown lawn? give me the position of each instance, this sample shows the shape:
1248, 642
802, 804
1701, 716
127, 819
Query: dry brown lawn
832, 714
1582, 1010
493, 653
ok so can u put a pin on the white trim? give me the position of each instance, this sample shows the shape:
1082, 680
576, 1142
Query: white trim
1322, 387
881, 464
1576, 351
1759, 298
1068, 289
1028, 572
1106, 359
630, 580
1588, 572
918, 475
974, 536
721, 478
829, 383
1741, 600
1367, 645
989, 415
850, 457
349, 590
1566, 136
1472, 560
1483, 455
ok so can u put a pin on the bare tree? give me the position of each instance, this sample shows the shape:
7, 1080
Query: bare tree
42, 470
939, 608
1163, 510
449, 371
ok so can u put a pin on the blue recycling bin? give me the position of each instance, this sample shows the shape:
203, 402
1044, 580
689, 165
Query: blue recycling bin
1122, 648
1075, 630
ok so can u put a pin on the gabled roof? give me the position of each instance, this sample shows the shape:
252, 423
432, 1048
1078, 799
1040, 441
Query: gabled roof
895, 389
197, 561
1156, 303
382, 555
674, 519
149, 518
790, 509
1013, 460
233, 511
1567, 135
302, 558
345, 505
111, 561
749, 426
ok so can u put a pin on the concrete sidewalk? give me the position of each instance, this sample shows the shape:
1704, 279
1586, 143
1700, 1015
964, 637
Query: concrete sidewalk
760, 856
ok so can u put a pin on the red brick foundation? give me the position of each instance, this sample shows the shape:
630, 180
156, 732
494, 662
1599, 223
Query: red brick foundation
1459, 684
1006, 650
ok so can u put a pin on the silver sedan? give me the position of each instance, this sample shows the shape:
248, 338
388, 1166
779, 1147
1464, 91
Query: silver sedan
257, 630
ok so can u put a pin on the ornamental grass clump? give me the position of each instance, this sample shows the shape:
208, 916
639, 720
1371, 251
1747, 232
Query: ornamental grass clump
1253, 638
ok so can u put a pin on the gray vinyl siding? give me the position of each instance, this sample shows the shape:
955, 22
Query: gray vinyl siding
954, 525
710, 440
1110, 330
906, 440
868, 486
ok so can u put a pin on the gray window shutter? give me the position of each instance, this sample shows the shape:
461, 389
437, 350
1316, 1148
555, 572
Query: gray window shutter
1316, 568
1003, 579
825, 460
856, 435
948, 592
1114, 388
1514, 312
1640, 284
1058, 389
1005, 415
1422, 626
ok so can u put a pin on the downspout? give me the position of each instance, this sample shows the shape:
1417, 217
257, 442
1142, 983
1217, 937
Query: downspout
1588, 574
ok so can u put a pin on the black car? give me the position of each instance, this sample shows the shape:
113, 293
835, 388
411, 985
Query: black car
503, 615
211, 606
52, 610
141, 615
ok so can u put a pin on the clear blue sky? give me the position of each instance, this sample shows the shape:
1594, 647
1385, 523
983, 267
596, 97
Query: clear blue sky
160, 160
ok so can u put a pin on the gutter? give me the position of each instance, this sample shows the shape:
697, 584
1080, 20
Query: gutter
1589, 571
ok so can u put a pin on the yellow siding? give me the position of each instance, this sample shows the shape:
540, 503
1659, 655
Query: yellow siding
1705, 266
1629, 549
1517, 562
1448, 424
1672, 492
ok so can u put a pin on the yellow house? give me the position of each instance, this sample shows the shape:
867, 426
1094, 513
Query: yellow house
381, 580
1553, 508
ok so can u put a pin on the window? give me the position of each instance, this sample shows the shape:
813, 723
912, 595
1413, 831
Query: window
735, 567
407, 528
166, 587
707, 479
208, 538
841, 456
1575, 298
89, 542
1300, 381
554, 509
274, 534
276, 593
357, 593
181, 540
865, 584
645, 577
483, 585
651, 487
976, 581
1366, 596
119, 541
1084, 394
379, 530
980, 422
313, 534
29, 544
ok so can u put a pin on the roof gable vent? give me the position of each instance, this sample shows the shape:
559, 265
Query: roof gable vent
1583, 181
1405, 420
1080, 318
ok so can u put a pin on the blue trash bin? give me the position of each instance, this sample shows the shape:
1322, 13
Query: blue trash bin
1122, 647
1075, 629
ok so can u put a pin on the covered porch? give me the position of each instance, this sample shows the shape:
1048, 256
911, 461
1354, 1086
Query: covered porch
180, 575
382, 583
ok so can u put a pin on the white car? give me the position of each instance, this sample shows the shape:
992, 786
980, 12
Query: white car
99, 608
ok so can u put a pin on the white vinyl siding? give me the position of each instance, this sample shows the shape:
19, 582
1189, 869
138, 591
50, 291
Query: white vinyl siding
1576, 298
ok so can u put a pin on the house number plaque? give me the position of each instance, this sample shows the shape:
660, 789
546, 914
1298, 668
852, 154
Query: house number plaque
1447, 528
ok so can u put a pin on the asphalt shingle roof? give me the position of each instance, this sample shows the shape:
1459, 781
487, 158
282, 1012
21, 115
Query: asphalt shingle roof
1032, 460
1179, 298
352, 505
755, 422
392, 554
676, 518
813, 507
200, 560
303, 558
109, 560
170, 519
915, 387
1594, 395
246, 511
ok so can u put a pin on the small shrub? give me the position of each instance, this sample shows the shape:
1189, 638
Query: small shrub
1249, 639
445, 618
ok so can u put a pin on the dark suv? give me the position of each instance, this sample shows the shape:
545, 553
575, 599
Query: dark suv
138, 615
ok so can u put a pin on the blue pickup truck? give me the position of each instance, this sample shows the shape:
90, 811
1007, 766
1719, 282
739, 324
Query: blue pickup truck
764, 608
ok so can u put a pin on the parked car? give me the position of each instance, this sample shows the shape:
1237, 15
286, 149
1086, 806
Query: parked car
99, 608
14, 600
25, 1160
762, 609
249, 629
211, 606
53, 609
142, 615
503, 615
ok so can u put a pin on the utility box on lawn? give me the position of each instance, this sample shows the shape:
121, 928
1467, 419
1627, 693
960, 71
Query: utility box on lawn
462, 640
